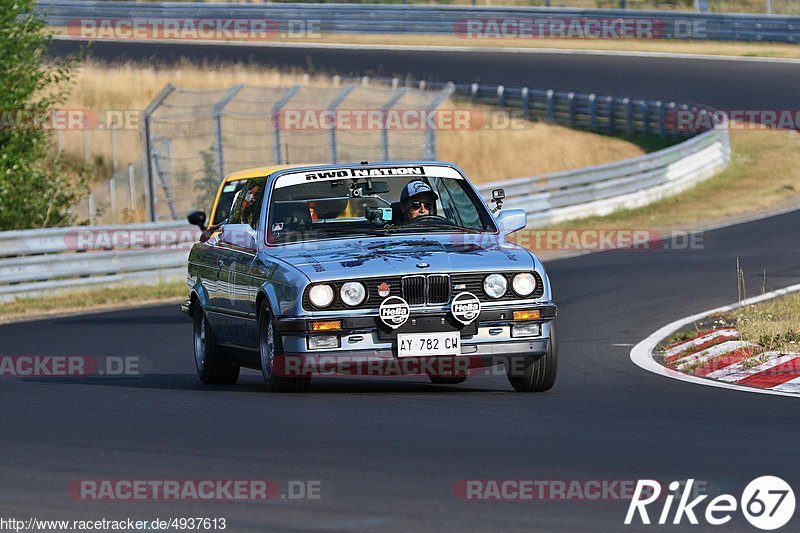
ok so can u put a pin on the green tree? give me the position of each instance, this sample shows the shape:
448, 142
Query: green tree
36, 187
207, 186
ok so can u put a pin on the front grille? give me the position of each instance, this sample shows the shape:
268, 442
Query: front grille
438, 289
414, 290
433, 289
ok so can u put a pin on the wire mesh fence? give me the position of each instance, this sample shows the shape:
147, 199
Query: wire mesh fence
195, 137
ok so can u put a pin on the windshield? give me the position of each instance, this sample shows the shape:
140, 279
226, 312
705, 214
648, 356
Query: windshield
335, 203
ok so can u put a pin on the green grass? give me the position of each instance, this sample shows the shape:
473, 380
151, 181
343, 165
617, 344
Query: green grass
774, 324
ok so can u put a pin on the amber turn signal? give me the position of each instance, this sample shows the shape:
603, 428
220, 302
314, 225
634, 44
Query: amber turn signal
327, 325
532, 314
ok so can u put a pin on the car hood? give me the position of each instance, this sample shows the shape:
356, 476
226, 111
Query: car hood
402, 255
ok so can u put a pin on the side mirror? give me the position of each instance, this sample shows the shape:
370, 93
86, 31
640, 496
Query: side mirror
512, 220
241, 235
197, 218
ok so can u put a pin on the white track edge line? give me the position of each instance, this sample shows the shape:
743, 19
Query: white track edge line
642, 353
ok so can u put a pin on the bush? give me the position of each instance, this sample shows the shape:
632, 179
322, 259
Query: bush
36, 188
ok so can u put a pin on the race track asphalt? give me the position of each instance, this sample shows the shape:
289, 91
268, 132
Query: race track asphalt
724, 84
388, 451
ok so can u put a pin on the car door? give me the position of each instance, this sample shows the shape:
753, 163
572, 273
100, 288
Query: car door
240, 250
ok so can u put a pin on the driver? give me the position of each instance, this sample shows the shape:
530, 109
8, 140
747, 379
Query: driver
417, 199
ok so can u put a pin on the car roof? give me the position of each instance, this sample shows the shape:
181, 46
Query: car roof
258, 172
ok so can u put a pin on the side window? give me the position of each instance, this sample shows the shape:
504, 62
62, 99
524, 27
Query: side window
246, 208
226, 199
456, 204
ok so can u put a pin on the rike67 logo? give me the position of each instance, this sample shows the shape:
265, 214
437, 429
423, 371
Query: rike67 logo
767, 503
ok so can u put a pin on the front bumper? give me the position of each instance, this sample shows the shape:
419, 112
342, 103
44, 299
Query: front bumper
486, 342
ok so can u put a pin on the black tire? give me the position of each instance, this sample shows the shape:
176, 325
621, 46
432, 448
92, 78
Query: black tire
213, 367
270, 349
447, 380
537, 375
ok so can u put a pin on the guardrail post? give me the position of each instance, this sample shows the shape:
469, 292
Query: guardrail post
422, 85
276, 123
612, 116
571, 100
526, 102
592, 111
113, 148
147, 163
395, 82
645, 118
112, 191
217, 111
91, 209
501, 97
628, 114
365, 81
397, 95
474, 92
662, 126
332, 110
667, 115
551, 106
132, 185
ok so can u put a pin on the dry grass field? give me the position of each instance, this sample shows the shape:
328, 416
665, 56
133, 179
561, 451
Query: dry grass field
519, 148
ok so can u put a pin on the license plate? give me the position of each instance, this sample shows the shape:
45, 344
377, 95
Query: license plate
426, 344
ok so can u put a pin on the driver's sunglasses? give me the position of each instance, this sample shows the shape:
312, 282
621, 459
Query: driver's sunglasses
415, 206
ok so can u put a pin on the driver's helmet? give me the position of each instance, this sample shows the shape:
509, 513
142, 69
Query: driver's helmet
414, 190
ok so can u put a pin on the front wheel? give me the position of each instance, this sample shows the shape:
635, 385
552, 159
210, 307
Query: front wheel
536, 375
271, 350
213, 368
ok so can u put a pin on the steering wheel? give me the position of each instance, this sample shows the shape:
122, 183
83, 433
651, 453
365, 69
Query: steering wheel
430, 218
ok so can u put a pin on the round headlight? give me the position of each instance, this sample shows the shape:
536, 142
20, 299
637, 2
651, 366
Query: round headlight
321, 295
495, 285
353, 293
524, 284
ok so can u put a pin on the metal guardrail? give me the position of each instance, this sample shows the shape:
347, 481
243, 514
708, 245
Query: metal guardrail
599, 190
45, 261
441, 20
595, 112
